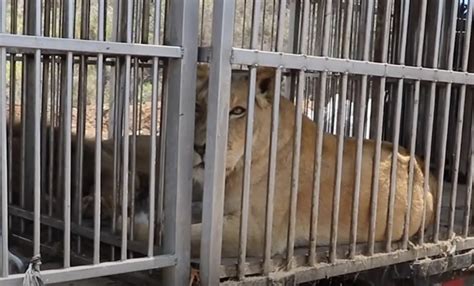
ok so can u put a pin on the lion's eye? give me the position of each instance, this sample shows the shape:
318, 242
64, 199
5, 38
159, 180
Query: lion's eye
237, 111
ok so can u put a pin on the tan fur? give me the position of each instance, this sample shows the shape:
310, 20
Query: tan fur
259, 173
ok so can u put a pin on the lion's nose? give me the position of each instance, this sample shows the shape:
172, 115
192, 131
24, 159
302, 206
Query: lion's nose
200, 149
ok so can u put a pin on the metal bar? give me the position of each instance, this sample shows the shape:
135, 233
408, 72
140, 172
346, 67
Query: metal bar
4, 252
80, 122
126, 131
378, 139
217, 126
465, 62
89, 46
295, 170
153, 157
257, 6
356, 67
429, 129
91, 271
69, 30
161, 165
319, 140
444, 134
244, 208
153, 131
181, 30
360, 132
295, 167
411, 167
340, 137
51, 139
98, 135
34, 124
396, 129
273, 148
267, 267
470, 178
48, 85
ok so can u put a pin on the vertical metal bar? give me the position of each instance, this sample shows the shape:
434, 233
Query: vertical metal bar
181, 30
13, 30
419, 61
161, 167
465, 62
126, 122
444, 134
297, 143
378, 140
273, 148
319, 139
429, 128
360, 132
98, 135
3, 149
217, 126
48, 85
81, 119
340, 136
244, 208
272, 174
256, 3
33, 115
203, 5
396, 130
294, 11
69, 30
153, 131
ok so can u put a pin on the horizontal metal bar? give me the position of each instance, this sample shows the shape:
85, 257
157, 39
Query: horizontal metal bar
98, 270
315, 63
325, 270
83, 231
89, 47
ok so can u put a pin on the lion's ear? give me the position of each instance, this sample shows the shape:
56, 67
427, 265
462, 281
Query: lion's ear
265, 85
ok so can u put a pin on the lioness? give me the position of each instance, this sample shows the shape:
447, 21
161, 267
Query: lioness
259, 173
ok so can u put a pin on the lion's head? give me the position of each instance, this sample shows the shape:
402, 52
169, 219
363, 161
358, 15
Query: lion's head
238, 108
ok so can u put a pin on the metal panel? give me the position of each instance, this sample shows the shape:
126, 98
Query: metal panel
217, 126
181, 30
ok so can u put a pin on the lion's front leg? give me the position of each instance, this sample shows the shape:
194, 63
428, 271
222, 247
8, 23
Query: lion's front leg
230, 237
